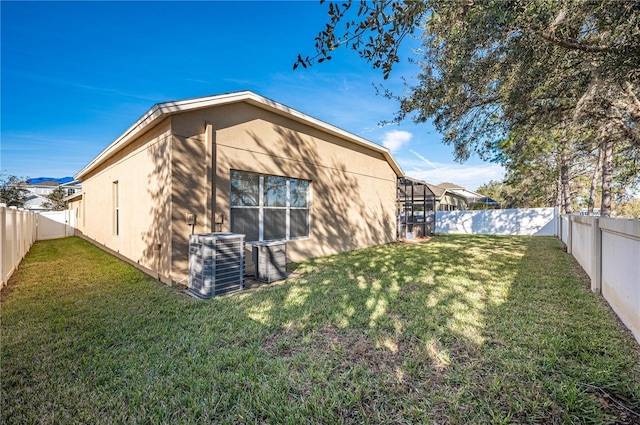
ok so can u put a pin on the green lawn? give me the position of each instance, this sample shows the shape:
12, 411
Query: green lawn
461, 329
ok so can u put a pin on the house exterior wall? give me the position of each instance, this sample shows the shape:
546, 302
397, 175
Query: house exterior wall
353, 188
181, 167
449, 200
142, 171
188, 196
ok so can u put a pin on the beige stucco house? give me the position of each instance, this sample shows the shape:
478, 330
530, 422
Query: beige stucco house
235, 162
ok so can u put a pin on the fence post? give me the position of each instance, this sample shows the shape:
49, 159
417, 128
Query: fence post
3, 245
34, 227
596, 257
21, 242
16, 239
569, 233
559, 226
14, 230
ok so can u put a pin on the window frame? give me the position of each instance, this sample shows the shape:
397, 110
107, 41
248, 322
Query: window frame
116, 208
262, 208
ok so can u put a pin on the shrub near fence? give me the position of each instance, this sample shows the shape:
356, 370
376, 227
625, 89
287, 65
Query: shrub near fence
608, 249
17, 234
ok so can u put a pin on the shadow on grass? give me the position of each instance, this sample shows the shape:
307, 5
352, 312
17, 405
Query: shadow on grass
461, 329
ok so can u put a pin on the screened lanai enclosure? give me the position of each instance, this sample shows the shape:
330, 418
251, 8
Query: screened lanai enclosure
415, 209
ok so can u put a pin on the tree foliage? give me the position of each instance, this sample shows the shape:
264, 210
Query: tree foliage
490, 68
12, 194
55, 200
629, 209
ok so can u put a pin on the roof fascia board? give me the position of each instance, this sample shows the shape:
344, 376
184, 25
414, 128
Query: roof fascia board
72, 197
168, 108
466, 193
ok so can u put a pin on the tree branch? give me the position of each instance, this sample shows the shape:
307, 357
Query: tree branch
572, 45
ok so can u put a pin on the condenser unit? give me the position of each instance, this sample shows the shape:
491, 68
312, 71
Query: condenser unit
216, 264
270, 260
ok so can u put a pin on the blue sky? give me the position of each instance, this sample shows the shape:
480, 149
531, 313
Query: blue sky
75, 75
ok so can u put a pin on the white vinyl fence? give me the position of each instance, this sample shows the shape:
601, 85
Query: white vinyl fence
19, 229
608, 249
522, 221
17, 234
55, 224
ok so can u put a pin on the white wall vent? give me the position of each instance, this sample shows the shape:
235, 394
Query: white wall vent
216, 264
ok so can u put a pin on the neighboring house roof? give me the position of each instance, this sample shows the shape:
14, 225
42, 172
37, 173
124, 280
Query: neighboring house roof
162, 110
49, 183
71, 183
438, 191
420, 189
469, 195
34, 202
447, 185
431, 190
73, 197
49, 180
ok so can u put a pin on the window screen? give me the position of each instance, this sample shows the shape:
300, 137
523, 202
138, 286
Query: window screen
265, 207
245, 221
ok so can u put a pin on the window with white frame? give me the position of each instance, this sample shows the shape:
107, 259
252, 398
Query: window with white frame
116, 209
265, 207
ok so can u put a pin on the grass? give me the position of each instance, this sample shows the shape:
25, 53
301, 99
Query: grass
462, 329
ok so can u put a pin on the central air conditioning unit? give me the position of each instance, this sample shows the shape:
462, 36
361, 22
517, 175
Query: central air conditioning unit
270, 260
216, 264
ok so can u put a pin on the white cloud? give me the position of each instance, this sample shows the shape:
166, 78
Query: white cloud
425, 160
394, 139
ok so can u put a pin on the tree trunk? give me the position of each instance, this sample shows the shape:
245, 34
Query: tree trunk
559, 192
564, 177
594, 181
607, 177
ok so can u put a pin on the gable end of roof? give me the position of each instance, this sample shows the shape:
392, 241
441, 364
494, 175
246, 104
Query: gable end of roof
161, 110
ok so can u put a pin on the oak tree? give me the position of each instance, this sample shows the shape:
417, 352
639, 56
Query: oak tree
490, 67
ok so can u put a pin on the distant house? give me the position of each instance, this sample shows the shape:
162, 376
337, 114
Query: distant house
241, 163
447, 200
35, 202
40, 187
469, 196
418, 200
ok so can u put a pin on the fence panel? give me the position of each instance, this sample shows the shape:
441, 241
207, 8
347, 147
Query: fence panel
17, 234
53, 225
608, 250
9, 247
523, 221
19, 229
582, 243
621, 269
564, 228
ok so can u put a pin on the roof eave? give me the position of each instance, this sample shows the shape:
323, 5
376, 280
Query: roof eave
72, 197
162, 110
